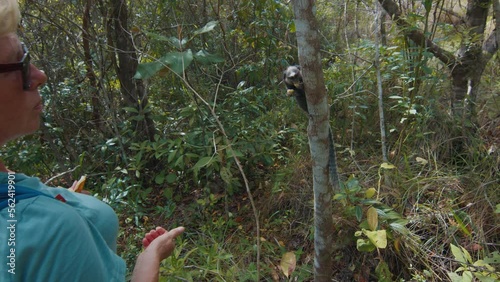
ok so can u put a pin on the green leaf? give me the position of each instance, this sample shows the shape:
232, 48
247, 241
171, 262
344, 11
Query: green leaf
204, 57
372, 217
160, 178
461, 224
467, 276
131, 110
383, 273
454, 277
208, 27
467, 255
390, 214
378, 238
458, 254
364, 245
493, 258
178, 61
370, 192
156, 36
428, 6
226, 175
171, 156
171, 178
168, 193
399, 226
147, 70
202, 162
387, 166
358, 212
231, 153
339, 196
176, 43
180, 162
483, 278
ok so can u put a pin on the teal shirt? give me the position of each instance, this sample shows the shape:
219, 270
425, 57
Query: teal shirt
59, 241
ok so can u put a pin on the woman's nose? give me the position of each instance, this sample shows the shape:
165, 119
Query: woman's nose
37, 77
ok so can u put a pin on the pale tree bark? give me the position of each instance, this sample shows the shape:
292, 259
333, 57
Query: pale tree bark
467, 65
310, 60
379, 36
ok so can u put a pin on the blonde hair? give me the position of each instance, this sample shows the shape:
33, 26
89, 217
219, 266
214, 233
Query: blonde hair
9, 16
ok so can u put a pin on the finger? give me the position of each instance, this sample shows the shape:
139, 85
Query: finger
145, 243
72, 188
160, 230
148, 239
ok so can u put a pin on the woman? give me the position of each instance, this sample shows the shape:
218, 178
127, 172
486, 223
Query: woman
53, 234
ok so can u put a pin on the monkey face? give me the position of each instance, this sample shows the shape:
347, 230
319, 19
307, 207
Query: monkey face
292, 76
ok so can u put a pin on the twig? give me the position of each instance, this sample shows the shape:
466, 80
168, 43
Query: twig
61, 174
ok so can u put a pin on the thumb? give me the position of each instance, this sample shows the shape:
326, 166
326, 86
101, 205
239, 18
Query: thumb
174, 233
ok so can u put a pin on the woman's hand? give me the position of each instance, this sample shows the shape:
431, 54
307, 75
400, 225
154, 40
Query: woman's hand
159, 244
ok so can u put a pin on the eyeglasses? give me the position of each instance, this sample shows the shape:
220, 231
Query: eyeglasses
23, 65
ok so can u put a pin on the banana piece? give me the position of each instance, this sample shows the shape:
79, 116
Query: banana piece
80, 184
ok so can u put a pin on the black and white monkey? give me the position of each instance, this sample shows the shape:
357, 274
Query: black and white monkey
292, 77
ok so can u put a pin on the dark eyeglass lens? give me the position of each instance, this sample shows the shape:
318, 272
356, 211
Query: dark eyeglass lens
26, 68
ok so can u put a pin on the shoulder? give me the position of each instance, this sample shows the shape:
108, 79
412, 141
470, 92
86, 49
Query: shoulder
54, 243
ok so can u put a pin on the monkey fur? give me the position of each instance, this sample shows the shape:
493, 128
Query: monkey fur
292, 77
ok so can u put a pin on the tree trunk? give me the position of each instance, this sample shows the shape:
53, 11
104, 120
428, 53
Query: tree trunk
467, 66
310, 60
379, 37
466, 73
90, 74
132, 90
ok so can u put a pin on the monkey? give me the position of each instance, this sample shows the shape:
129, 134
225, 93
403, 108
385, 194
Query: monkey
292, 77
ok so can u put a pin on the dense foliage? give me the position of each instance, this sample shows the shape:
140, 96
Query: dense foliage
212, 91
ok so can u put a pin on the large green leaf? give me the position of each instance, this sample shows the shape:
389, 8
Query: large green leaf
399, 226
458, 254
208, 27
378, 238
176, 61
147, 70
174, 41
203, 162
204, 57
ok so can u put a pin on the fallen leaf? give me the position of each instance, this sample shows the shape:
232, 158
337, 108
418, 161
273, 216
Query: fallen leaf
421, 161
387, 166
288, 263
